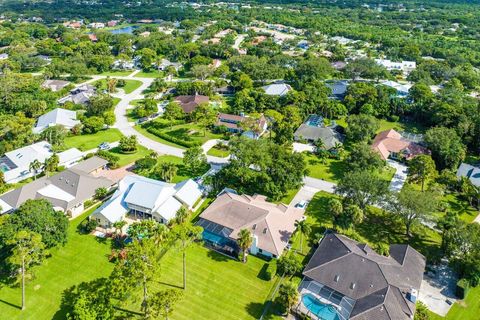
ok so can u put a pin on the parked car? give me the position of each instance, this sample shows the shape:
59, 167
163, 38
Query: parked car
104, 146
142, 120
302, 204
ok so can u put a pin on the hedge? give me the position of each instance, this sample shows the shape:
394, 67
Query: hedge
463, 286
271, 270
163, 124
172, 139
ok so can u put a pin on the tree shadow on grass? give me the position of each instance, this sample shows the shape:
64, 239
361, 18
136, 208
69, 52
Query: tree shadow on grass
214, 255
255, 309
11, 304
164, 283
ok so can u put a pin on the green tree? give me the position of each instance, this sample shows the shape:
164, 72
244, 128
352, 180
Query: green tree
28, 250
422, 168
92, 124
166, 171
35, 166
101, 193
244, 241
173, 111
413, 206
361, 127
204, 116
162, 302
287, 295
194, 160
288, 265
303, 228
39, 216
446, 146
421, 312
147, 58
51, 164
55, 135
128, 144
362, 157
362, 188
186, 233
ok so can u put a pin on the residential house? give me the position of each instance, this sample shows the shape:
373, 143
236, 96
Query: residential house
79, 95
112, 23
55, 85
67, 191
57, 117
147, 198
277, 89
402, 89
270, 224
391, 144
92, 37
123, 65
339, 89
313, 129
233, 123
96, 25
471, 172
345, 279
338, 65
404, 66
190, 103
164, 64
303, 44
15, 164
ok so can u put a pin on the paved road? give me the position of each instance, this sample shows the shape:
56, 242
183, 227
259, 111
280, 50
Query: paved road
126, 128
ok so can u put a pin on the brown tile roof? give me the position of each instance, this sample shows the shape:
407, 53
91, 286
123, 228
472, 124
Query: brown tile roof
272, 224
389, 141
190, 103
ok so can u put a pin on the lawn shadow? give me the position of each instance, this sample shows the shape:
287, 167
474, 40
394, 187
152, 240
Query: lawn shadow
11, 304
219, 257
262, 274
255, 309
180, 133
163, 283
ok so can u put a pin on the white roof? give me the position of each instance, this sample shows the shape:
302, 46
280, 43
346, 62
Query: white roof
69, 155
24, 156
4, 207
404, 88
58, 116
52, 191
471, 172
277, 89
162, 198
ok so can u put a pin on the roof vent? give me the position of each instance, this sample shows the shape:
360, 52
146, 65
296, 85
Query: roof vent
336, 278
352, 285
254, 227
371, 285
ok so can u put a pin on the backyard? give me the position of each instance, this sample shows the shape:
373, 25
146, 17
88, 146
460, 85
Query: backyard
182, 173
149, 74
130, 85
86, 142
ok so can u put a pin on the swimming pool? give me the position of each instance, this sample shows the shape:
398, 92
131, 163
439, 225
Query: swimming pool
4, 167
321, 310
214, 238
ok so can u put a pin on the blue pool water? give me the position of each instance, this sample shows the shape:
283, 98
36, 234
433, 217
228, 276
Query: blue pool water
208, 236
124, 30
321, 310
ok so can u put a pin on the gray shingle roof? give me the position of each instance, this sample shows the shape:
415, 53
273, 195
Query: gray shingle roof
380, 283
329, 136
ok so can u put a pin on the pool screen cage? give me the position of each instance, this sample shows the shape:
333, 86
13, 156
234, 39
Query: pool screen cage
340, 302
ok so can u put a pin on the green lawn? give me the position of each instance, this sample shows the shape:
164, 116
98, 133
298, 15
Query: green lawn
130, 85
126, 158
331, 170
396, 125
191, 132
83, 258
117, 73
467, 309
217, 287
86, 142
182, 173
154, 137
149, 74
217, 152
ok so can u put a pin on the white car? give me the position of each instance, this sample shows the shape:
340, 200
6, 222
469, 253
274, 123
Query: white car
302, 204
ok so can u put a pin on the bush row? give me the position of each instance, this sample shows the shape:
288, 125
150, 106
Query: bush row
175, 140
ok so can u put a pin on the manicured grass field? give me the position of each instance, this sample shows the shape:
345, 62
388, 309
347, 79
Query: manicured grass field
83, 258
191, 132
217, 152
149, 74
396, 125
130, 85
217, 287
117, 73
182, 173
331, 170
463, 310
154, 137
126, 158
86, 142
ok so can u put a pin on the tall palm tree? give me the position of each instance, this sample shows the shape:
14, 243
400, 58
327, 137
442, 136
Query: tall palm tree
304, 228
186, 233
34, 166
118, 227
182, 215
245, 241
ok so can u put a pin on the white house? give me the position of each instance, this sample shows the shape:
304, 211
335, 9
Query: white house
15, 164
402, 89
277, 89
470, 172
58, 116
147, 198
405, 66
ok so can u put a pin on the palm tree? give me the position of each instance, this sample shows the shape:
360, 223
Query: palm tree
304, 228
182, 215
245, 241
167, 171
34, 166
118, 227
186, 233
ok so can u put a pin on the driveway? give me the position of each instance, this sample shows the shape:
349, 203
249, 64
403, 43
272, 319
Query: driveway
301, 147
437, 288
310, 187
401, 174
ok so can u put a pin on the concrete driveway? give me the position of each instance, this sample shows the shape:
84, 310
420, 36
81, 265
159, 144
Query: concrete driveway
310, 187
401, 174
437, 288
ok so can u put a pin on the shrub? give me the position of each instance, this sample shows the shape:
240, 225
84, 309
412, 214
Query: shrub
172, 139
121, 83
463, 286
112, 159
88, 225
288, 265
271, 270
88, 203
